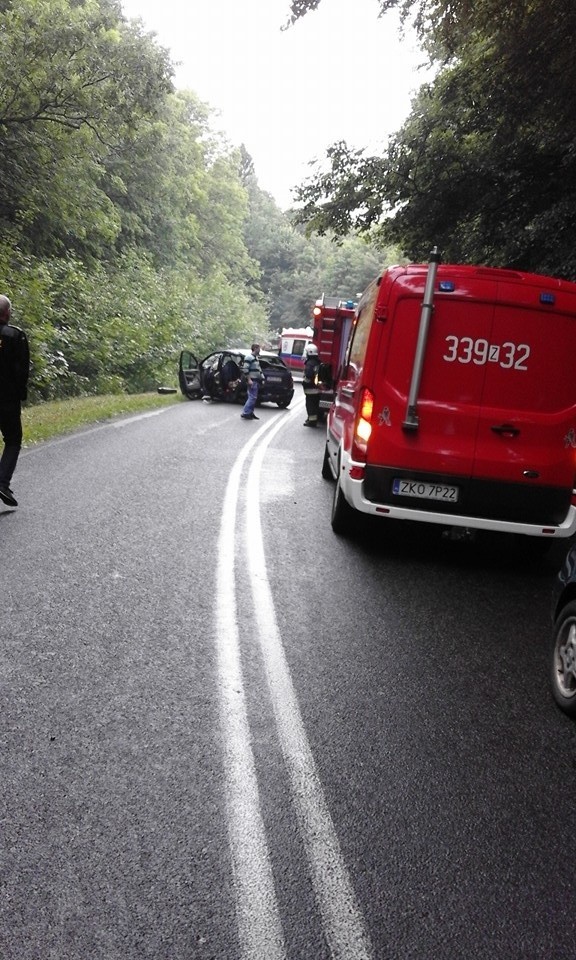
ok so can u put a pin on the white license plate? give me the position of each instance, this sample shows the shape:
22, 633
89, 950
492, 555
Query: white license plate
273, 379
424, 490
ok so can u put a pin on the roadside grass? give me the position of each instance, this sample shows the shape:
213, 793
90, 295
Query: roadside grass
45, 420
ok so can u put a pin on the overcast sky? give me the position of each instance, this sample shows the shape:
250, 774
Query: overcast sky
339, 74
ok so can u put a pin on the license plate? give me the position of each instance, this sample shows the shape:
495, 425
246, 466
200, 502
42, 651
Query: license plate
273, 379
424, 490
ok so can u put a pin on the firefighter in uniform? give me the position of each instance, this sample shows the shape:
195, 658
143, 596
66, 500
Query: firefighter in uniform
310, 385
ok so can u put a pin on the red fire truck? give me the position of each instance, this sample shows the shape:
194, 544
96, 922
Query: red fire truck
456, 402
332, 320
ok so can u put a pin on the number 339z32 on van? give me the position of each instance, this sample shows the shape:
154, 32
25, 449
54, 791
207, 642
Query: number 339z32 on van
509, 356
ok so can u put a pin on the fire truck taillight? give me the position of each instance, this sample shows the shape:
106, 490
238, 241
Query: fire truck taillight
363, 426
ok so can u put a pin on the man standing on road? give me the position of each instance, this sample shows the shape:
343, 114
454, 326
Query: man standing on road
310, 385
253, 371
14, 372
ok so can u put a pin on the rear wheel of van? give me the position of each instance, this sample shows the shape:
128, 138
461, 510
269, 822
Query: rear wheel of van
343, 516
326, 468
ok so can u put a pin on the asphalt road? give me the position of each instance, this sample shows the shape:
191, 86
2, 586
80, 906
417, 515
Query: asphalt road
226, 733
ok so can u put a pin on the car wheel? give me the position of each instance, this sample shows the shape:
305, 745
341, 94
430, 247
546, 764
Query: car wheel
343, 516
326, 468
283, 404
563, 673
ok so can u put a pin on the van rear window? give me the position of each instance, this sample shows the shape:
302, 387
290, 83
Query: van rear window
361, 329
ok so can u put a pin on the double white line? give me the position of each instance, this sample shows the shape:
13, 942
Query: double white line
260, 929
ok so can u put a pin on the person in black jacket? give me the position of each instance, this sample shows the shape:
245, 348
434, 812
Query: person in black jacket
14, 372
253, 371
310, 385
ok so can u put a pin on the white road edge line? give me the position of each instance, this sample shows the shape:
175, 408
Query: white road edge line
81, 432
343, 923
258, 917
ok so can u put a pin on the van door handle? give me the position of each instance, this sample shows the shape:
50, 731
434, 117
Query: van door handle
348, 391
506, 430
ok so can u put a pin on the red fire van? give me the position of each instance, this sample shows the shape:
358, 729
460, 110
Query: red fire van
456, 404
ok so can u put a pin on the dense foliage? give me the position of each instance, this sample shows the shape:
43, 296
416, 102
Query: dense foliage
296, 270
485, 165
128, 228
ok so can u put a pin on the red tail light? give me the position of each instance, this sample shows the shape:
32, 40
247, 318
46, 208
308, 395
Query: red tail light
363, 425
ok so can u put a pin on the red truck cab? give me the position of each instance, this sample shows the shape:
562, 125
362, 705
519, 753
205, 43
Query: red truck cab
456, 403
332, 320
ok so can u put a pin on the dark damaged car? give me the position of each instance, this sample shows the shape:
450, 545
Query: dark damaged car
219, 377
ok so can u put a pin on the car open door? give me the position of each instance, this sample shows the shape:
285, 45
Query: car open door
189, 375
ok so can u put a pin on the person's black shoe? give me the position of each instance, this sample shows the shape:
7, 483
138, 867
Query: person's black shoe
309, 423
7, 496
249, 416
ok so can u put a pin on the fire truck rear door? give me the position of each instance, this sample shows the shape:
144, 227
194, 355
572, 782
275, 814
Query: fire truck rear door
528, 415
451, 385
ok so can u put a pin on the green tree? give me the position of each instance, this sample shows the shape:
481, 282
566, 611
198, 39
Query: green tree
485, 164
296, 269
179, 195
122, 214
76, 79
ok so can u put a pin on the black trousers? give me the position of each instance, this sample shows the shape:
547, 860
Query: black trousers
312, 406
11, 430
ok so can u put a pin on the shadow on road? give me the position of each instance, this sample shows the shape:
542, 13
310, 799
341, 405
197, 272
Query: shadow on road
460, 548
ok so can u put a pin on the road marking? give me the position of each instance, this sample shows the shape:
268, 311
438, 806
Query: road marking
343, 923
258, 917
80, 432
119, 424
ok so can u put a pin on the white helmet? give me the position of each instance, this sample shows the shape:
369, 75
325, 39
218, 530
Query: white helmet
311, 350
